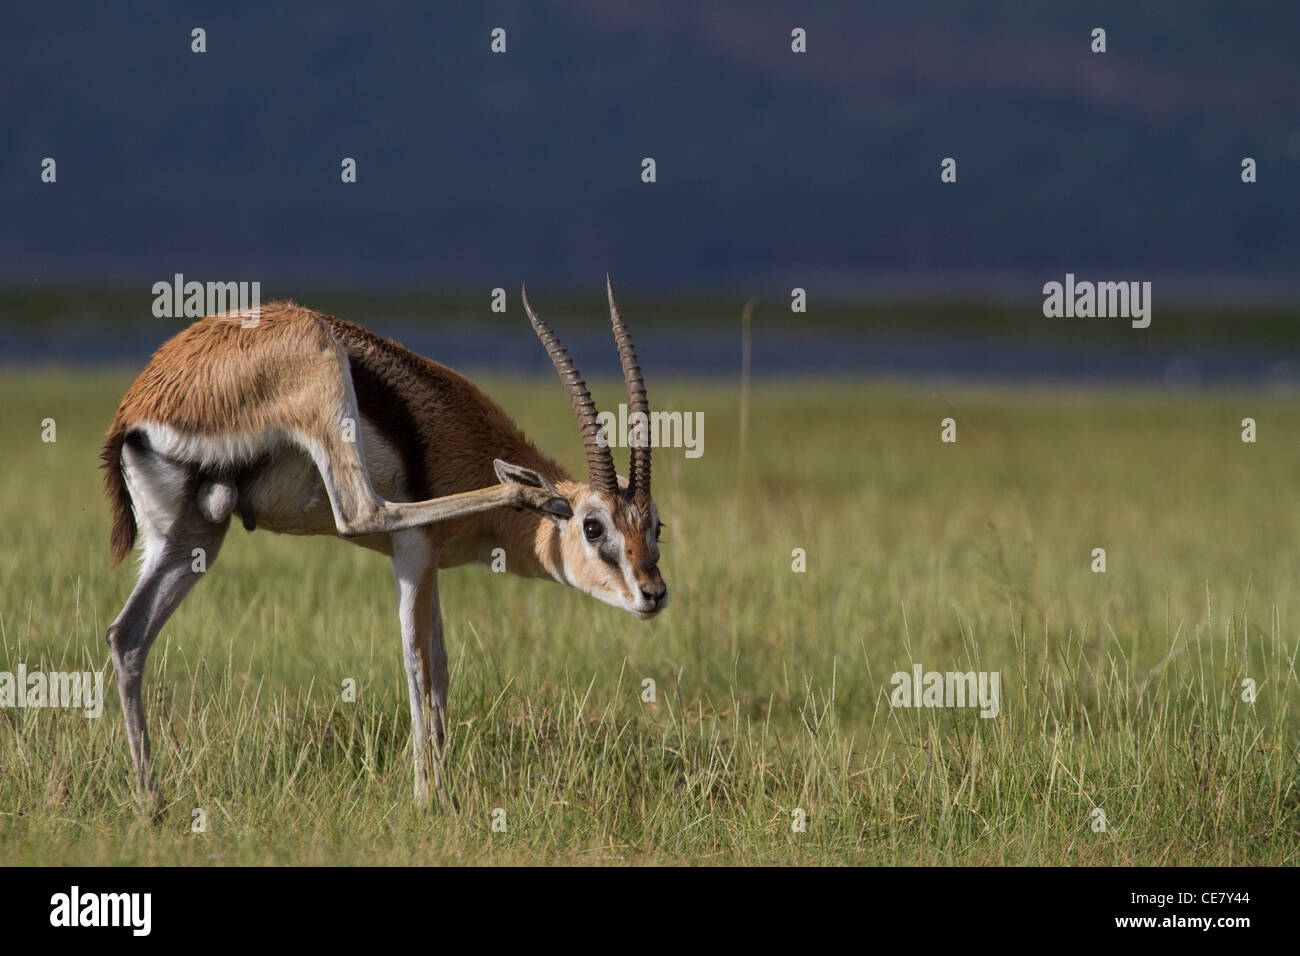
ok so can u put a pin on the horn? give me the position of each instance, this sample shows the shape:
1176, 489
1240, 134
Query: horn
638, 478
600, 463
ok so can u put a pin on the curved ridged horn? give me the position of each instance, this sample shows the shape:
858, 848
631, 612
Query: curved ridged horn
638, 477
600, 463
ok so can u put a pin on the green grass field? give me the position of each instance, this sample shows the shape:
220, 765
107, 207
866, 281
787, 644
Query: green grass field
1121, 691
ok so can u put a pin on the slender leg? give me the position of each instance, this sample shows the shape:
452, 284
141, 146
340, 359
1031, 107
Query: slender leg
355, 518
438, 676
332, 440
395, 516
415, 569
166, 577
438, 679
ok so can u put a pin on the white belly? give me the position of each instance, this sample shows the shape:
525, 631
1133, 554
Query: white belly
286, 495
280, 488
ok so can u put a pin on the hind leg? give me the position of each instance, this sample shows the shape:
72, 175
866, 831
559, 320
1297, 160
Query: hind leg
358, 510
180, 544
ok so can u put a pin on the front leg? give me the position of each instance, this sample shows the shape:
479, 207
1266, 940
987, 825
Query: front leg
415, 569
438, 678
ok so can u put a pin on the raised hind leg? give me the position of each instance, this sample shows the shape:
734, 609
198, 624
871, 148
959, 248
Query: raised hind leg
328, 429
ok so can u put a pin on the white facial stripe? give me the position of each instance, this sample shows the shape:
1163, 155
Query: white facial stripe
606, 560
612, 544
629, 579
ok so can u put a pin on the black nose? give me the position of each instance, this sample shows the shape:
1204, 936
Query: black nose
654, 595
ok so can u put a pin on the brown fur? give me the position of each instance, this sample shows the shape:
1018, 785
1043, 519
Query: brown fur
217, 377
274, 400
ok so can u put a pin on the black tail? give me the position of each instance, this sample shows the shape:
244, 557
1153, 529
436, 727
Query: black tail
122, 537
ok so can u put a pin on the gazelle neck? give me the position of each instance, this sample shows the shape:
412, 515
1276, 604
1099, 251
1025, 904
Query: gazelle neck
531, 543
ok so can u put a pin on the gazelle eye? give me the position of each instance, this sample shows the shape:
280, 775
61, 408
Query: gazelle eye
593, 529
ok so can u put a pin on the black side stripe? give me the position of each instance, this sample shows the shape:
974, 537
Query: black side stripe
387, 409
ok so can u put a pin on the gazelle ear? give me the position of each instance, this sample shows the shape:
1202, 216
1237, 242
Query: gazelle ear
554, 507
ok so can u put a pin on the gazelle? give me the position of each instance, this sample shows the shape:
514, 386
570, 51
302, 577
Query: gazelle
302, 423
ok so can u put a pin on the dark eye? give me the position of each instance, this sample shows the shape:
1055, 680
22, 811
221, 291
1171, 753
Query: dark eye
659, 531
593, 529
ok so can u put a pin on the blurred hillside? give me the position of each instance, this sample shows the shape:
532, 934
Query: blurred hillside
774, 169
1185, 346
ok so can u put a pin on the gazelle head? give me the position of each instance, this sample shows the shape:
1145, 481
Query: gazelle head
609, 527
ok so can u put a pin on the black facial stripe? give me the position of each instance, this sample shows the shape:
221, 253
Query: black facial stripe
608, 554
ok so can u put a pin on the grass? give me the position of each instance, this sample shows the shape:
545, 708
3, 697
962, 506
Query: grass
1120, 691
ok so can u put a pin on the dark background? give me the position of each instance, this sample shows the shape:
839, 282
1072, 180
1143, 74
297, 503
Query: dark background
775, 170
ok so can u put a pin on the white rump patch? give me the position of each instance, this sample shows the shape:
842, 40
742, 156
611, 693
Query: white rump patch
213, 451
